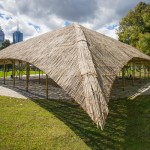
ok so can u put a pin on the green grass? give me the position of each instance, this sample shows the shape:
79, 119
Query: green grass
8, 73
25, 125
17, 73
63, 125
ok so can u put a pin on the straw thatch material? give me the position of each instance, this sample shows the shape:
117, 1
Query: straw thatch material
83, 62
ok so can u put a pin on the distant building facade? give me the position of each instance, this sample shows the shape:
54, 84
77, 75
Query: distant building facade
17, 36
2, 36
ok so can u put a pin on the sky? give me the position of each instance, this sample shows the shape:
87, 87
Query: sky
36, 17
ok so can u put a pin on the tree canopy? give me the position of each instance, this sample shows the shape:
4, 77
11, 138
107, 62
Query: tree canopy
5, 44
134, 28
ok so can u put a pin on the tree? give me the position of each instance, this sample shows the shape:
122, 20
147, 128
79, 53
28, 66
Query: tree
5, 44
134, 29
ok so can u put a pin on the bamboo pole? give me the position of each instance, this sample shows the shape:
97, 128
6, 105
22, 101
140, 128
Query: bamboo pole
144, 70
19, 70
133, 74
27, 76
119, 73
127, 70
39, 77
14, 71
117, 77
4, 72
123, 78
34, 71
46, 86
148, 71
140, 73
6, 68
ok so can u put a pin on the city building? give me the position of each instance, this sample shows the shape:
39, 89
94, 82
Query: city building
17, 36
2, 36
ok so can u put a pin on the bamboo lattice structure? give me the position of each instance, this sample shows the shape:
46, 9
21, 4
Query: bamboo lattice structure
83, 62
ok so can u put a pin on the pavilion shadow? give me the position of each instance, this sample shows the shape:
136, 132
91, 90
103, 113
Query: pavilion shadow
113, 135
122, 127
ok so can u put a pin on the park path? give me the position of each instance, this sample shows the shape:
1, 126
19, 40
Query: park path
5, 91
38, 91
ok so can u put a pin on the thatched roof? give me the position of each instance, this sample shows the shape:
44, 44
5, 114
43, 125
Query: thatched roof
83, 62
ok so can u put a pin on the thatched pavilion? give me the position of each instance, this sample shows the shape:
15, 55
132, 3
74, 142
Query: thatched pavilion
83, 62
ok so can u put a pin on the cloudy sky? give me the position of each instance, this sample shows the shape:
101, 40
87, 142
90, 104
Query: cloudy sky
39, 16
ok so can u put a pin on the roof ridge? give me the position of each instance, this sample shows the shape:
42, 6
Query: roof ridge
92, 91
80, 33
82, 41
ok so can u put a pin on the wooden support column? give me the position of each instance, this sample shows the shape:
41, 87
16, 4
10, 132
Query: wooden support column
144, 70
19, 70
148, 70
6, 68
46, 86
117, 77
140, 73
27, 76
127, 69
4, 72
14, 73
123, 78
39, 77
133, 74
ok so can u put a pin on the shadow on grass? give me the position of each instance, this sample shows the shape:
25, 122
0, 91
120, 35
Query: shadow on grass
123, 126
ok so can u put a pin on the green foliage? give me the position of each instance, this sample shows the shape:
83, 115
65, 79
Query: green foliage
5, 44
134, 29
144, 43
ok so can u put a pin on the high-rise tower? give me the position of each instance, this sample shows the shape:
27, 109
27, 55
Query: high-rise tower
2, 36
17, 36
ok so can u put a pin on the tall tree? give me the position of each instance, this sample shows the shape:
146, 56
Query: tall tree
134, 29
5, 44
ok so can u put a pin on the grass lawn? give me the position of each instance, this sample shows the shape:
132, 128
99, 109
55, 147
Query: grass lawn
63, 125
17, 73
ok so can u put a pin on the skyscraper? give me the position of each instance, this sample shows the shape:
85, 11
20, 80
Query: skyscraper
2, 36
17, 36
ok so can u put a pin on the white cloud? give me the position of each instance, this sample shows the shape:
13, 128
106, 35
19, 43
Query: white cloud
110, 33
98, 15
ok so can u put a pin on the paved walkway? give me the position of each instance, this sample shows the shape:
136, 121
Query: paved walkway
38, 91
130, 91
5, 91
